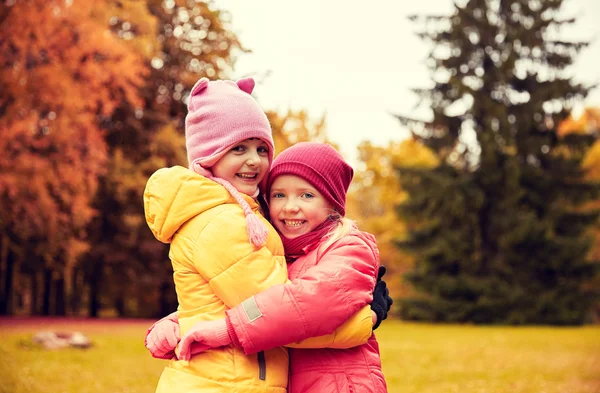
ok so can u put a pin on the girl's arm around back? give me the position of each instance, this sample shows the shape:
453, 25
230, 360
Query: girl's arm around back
354, 332
314, 304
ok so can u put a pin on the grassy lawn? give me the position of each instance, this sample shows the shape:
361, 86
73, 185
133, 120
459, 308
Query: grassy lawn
416, 358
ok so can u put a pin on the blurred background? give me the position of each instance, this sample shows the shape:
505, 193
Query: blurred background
473, 128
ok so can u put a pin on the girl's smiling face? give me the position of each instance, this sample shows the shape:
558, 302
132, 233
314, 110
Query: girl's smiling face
296, 207
244, 165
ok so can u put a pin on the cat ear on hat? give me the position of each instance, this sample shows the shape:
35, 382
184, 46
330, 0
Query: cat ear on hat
198, 87
246, 84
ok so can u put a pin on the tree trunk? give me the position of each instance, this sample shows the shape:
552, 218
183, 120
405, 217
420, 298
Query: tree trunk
35, 283
3, 268
95, 280
7, 287
59, 297
75, 295
120, 305
47, 292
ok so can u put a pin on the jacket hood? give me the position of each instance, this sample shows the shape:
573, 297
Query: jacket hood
175, 195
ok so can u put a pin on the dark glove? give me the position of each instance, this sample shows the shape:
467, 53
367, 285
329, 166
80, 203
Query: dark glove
381, 298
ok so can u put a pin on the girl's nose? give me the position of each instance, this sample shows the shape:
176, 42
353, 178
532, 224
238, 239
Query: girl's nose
290, 206
253, 158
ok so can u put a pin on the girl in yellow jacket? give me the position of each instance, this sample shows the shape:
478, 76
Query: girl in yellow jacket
222, 250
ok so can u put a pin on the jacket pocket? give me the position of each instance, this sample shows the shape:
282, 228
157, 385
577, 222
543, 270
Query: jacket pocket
262, 366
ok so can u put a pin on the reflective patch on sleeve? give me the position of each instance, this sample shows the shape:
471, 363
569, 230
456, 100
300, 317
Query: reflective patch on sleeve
251, 309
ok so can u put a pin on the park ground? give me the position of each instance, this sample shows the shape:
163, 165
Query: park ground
417, 358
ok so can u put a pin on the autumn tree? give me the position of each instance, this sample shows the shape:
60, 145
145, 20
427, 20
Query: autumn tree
587, 122
59, 72
128, 271
295, 126
188, 40
501, 234
374, 195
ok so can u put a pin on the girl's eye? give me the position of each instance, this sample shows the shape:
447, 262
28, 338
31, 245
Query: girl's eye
277, 195
308, 195
239, 148
263, 150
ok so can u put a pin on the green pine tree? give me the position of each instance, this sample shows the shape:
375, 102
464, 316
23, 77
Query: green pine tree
498, 228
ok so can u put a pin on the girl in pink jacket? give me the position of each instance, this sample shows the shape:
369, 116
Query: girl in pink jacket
330, 262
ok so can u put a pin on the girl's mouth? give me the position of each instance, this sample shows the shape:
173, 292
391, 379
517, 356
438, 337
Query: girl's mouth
247, 176
293, 223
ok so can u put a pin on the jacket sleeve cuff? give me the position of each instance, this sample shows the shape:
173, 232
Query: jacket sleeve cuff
232, 334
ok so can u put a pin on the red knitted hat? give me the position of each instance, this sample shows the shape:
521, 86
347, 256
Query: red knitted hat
320, 165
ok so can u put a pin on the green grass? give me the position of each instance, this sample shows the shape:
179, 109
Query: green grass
117, 362
442, 358
416, 358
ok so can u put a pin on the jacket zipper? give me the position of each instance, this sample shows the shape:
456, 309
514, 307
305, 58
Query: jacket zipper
262, 366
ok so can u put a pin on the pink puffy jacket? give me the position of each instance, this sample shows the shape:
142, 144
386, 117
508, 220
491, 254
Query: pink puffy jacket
329, 285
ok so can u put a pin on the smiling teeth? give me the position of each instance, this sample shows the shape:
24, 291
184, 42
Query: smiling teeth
293, 223
247, 176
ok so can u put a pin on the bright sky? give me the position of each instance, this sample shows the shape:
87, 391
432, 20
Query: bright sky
357, 64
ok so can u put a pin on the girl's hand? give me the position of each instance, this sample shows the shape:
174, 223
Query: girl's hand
381, 299
162, 337
202, 336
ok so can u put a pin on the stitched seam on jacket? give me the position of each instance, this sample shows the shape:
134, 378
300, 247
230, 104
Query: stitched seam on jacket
195, 243
360, 242
212, 219
211, 222
342, 284
251, 347
323, 368
362, 351
298, 309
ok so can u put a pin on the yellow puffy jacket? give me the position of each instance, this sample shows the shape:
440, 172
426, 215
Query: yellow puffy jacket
215, 268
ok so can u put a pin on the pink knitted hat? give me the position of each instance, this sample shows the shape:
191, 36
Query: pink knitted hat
221, 114
320, 165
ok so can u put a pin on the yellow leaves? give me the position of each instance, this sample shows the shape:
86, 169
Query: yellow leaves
587, 122
375, 194
294, 127
168, 145
591, 162
375, 185
410, 153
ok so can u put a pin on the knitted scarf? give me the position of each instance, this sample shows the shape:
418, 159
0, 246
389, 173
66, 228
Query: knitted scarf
294, 248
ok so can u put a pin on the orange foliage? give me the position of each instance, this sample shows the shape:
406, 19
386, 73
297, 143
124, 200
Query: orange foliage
60, 71
588, 122
296, 126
